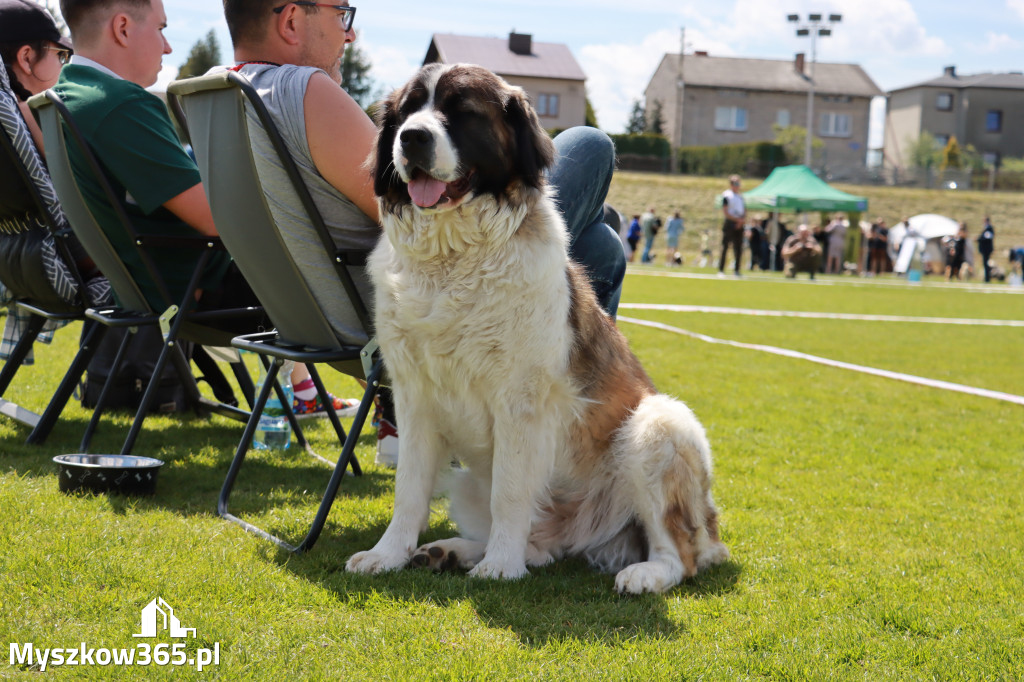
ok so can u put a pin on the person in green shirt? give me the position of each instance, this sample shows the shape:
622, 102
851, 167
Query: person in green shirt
119, 49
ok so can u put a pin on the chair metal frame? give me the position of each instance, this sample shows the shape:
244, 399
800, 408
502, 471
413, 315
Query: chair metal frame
198, 95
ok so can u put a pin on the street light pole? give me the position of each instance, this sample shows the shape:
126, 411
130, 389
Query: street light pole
680, 84
814, 26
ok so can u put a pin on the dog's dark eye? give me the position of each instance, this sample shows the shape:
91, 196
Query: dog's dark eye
464, 105
413, 102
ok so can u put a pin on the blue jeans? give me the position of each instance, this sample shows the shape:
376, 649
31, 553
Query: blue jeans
581, 174
648, 243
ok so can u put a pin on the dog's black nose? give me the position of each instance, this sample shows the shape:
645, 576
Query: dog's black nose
417, 146
415, 138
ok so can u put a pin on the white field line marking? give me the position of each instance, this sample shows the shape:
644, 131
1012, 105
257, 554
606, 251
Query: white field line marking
827, 316
899, 376
974, 288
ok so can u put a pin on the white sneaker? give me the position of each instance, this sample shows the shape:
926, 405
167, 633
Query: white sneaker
387, 445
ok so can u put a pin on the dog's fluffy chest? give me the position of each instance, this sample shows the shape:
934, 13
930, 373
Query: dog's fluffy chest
468, 322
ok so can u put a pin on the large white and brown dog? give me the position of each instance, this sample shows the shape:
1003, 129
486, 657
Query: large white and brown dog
500, 358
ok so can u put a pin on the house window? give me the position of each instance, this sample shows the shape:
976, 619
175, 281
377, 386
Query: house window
835, 125
730, 118
994, 121
547, 105
782, 118
944, 101
941, 141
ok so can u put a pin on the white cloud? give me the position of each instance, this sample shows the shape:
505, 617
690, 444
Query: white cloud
995, 42
1016, 6
167, 74
878, 36
392, 66
617, 73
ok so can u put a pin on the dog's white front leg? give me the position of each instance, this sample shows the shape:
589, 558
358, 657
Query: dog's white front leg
523, 453
419, 451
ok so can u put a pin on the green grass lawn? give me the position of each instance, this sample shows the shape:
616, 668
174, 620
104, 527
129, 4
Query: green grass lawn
876, 527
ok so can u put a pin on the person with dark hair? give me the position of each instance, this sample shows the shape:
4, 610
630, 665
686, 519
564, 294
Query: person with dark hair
33, 51
33, 266
986, 245
956, 254
878, 243
801, 252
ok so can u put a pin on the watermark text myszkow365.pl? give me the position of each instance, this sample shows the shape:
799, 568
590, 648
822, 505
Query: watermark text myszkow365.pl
157, 616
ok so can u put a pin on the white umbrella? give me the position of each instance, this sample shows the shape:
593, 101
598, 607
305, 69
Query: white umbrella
931, 228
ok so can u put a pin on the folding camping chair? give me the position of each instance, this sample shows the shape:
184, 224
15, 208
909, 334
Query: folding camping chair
28, 203
213, 110
176, 321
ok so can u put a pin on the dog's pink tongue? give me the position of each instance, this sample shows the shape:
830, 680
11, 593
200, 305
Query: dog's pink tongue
425, 191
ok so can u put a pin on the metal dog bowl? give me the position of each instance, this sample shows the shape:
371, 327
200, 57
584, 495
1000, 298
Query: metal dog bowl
123, 474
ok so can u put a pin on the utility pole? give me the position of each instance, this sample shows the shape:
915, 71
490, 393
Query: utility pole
680, 84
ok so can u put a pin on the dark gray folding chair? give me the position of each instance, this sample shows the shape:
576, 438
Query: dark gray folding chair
175, 320
30, 212
213, 110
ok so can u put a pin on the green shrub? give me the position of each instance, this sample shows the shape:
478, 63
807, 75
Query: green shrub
750, 159
644, 144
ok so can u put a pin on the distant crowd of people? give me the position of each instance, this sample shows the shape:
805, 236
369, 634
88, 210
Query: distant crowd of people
832, 247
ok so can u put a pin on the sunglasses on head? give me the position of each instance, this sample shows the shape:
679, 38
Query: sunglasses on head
348, 14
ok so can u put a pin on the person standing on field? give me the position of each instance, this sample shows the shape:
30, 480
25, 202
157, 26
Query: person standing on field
649, 224
734, 212
986, 245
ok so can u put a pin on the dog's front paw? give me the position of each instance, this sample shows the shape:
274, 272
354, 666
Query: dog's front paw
499, 570
373, 561
648, 576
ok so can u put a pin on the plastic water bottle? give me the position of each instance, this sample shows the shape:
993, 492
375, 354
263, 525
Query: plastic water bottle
273, 429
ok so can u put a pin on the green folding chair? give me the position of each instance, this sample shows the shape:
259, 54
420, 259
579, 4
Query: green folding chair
176, 322
213, 110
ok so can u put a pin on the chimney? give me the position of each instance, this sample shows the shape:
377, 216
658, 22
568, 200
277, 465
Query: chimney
700, 53
950, 71
520, 43
798, 63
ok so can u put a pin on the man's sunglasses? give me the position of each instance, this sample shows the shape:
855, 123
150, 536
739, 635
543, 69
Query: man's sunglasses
63, 54
348, 14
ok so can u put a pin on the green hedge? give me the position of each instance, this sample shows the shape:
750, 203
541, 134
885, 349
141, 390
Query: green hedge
649, 151
750, 159
645, 144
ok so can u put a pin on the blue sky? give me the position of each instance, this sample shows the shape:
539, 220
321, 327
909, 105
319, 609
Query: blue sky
619, 43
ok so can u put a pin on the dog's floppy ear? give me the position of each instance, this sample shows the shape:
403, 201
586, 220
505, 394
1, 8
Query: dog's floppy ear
534, 151
386, 180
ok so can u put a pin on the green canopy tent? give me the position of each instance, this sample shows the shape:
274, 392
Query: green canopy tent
796, 189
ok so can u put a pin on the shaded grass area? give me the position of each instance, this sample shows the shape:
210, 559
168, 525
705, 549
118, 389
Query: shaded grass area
876, 527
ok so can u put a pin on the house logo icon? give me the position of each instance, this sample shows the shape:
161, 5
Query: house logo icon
158, 615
